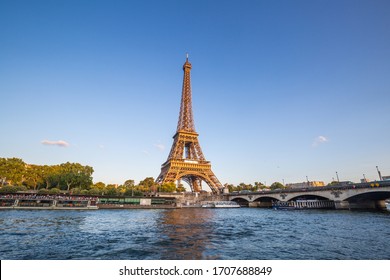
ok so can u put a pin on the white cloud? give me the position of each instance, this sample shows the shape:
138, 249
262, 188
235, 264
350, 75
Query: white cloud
161, 147
320, 140
60, 143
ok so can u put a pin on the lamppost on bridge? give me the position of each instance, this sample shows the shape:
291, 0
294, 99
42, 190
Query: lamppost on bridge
379, 173
337, 175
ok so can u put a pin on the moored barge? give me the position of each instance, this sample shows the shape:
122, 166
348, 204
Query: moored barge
47, 202
303, 204
79, 202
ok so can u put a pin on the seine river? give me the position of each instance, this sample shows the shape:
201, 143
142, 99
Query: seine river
194, 233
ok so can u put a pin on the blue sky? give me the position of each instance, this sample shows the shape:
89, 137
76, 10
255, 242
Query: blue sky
281, 89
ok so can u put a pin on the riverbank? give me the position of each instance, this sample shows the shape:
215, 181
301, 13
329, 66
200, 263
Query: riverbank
78, 202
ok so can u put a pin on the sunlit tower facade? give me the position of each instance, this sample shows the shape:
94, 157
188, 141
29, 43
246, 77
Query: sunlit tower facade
186, 160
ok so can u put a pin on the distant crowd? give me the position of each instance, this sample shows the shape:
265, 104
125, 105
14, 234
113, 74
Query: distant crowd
47, 197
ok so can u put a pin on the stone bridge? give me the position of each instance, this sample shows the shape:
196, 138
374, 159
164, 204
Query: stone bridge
353, 196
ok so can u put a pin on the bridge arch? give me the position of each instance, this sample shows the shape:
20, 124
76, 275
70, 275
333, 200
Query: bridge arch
241, 201
264, 198
309, 196
373, 195
372, 199
264, 201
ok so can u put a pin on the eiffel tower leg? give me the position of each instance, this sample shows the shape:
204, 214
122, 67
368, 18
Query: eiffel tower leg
196, 184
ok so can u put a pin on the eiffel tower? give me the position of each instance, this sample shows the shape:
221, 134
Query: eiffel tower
186, 161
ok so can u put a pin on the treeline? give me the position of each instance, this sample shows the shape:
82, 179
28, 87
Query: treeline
129, 188
65, 176
72, 178
257, 186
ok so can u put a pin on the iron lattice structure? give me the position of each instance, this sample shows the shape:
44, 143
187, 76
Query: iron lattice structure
186, 160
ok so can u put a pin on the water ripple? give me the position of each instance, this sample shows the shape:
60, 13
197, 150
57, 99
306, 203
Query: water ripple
194, 234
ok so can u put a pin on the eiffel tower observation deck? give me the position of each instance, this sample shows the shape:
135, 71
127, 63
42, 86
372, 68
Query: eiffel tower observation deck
186, 160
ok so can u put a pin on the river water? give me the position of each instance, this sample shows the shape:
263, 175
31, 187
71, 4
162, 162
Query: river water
194, 233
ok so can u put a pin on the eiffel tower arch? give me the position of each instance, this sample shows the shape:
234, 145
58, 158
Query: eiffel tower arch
186, 160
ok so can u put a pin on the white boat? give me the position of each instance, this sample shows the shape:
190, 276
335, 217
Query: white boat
387, 203
226, 204
302, 204
208, 205
221, 204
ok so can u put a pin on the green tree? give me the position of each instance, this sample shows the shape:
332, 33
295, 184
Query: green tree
97, 188
134, 192
49, 174
277, 185
33, 176
43, 191
148, 185
241, 186
75, 174
230, 187
95, 191
99, 185
75, 190
12, 189
3, 171
54, 191
258, 186
84, 192
129, 183
168, 187
111, 190
181, 188
129, 187
12, 170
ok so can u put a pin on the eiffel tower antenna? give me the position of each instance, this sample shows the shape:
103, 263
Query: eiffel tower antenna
186, 160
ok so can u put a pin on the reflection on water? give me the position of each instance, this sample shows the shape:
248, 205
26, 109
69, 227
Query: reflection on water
194, 233
190, 230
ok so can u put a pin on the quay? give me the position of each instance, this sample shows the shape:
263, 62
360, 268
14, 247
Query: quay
47, 202
79, 202
353, 196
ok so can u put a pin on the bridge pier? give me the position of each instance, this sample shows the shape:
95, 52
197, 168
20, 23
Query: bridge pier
348, 205
340, 205
381, 204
